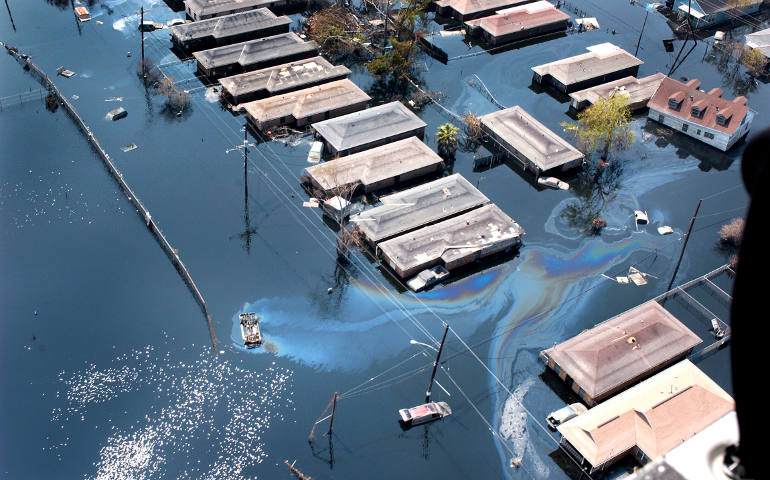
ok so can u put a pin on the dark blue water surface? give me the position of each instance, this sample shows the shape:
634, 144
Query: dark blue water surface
107, 365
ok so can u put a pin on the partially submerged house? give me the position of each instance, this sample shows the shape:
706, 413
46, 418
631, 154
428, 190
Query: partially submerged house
284, 78
710, 13
759, 41
305, 106
647, 420
452, 243
203, 9
377, 168
603, 63
238, 27
417, 207
637, 91
462, 10
369, 128
616, 353
530, 142
254, 54
705, 116
518, 23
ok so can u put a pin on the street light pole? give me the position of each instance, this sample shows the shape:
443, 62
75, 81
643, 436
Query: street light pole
435, 364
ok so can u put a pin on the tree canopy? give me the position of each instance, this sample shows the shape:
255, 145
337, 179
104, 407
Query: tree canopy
603, 126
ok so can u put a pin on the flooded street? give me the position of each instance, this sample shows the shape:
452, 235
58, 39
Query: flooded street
108, 369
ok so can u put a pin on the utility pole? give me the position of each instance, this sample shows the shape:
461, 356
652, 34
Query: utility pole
334, 408
681, 254
435, 364
248, 231
640, 33
141, 29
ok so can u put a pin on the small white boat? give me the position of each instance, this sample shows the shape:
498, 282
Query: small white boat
424, 413
564, 414
641, 217
250, 329
553, 182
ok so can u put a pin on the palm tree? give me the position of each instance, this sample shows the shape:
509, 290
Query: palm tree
446, 137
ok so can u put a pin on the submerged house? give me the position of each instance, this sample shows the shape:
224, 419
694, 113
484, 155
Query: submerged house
709, 13
637, 91
418, 206
452, 243
254, 54
518, 23
369, 128
616, 353
603, 63
237, 27
312, 104
648, 420
282, 78
705, 116
529, 142
462, 10
376, 168
203, 9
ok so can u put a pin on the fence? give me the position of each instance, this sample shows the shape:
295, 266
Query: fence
172, 253
37, 95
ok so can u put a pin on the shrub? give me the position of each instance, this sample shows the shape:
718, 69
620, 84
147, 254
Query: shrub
732, 233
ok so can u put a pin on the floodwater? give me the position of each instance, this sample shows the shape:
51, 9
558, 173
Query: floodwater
107, 368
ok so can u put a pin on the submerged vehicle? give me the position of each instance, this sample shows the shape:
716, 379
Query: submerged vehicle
316, 150
553, 182
423, 413
641, 217
428, 277
250, 329
564, 414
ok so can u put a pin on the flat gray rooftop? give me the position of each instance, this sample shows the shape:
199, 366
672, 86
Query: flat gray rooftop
376, 166
452, 243
229, 25
469, 7
307, 102
419, 206
601, 59
367, 126
255, 51
520, 132
216, 7
638, 91
283, 77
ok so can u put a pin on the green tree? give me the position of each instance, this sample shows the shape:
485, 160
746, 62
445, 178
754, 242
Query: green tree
397, 61
446, 137
754, 61
603, 126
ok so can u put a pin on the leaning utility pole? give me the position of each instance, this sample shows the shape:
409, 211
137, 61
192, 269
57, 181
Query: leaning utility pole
681, 254
640, 33
435, 364
334, 409
141, 30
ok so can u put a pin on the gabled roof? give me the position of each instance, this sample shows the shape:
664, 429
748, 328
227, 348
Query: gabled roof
364, 127
601, 59
689, 95
760, 40
419, 206
623, 348
522, 17
229, 25
283, 77
655, 415
255, 51
307, 102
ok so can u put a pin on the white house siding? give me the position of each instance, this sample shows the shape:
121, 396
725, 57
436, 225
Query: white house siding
721, 140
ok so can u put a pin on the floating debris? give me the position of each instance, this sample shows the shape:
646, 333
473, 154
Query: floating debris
312, 203
637, 277
114, 99
588, 23
128, 148
665, 230
75, 97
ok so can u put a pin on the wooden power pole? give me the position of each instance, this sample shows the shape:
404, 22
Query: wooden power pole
681, 254
435, 364
334, 408
141, 30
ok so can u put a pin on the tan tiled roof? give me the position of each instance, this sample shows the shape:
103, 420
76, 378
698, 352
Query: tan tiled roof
656, 415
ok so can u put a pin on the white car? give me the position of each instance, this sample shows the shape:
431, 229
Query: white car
316, 150
424, 413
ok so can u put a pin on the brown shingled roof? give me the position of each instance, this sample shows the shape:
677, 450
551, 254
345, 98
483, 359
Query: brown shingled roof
690, 95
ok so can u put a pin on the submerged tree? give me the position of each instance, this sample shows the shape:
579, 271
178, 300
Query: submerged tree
176, 99
446, 137
396, 62
754, 61
603, 126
